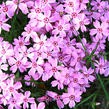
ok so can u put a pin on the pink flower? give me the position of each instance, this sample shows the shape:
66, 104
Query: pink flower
5, 10
61, 28
71, 97
35, 66
40, 43
4, 25
18, 62
100, 29
58, 82
12, 87
15, 101
56, 97
40, 106
81, 21
6, 51
89, 74
27, 100
29, 33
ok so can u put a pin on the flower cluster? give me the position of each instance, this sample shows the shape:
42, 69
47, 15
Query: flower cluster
57, 57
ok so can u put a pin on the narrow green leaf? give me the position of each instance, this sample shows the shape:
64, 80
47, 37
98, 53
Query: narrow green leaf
86, 99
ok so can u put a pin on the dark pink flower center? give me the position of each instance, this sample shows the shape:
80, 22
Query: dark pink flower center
37, 10
41, 43
60, 27
81, 23
71, 4
25, 99
79, 59
11, 89
57, 97
75, 80
68, 44
34, 64
46, 20
61, 57
18, 63
108, 21
5, 9
87, 75
74, 15
15, 2
100, 30
54, 69
14, 101
72, 97
67, 75
21, 43
55, 43
39, 53
44, 1
100, 66
3, 51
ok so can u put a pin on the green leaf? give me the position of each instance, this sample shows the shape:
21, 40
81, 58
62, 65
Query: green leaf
86, 99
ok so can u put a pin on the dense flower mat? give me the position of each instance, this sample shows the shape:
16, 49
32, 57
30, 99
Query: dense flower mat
61, 50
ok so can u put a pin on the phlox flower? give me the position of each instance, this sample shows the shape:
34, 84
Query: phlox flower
27, 100
81, 21
35, 66
101, 66
41, 105
29, 33
71, 97
3, 24
61, 28
18, 62
6, 51
56, 97
70, 4
14, 5
100, 29
45, 20
40, 42
12, 87
15, 101
20, 42
59, 81
89, 74
5, 10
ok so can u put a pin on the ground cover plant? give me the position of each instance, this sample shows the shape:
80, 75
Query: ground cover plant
54, 54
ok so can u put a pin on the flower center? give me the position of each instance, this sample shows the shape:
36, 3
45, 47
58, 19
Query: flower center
54, 69
72, 97
74, 15
5, 9
37, 10
75, 80
18, 63
14, 101
55, 43
41, 43
81, 23
100, 66
71, 4
34, 64
11, 89
3, 51
60, 27
25, 100
100, 30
